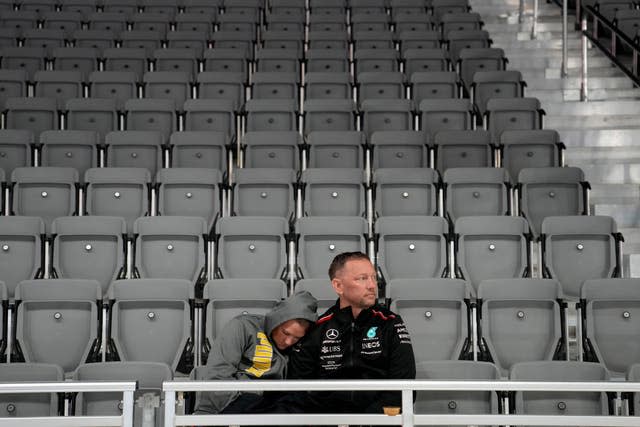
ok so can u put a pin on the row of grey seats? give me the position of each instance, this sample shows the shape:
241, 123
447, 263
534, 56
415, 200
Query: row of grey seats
157, 114
511, 320
150, 377
574, 248
541, 192
514, 151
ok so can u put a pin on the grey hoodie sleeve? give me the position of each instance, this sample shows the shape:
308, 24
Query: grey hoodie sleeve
222, 364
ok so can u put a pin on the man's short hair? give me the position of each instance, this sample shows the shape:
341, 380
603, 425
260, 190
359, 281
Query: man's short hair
341, 259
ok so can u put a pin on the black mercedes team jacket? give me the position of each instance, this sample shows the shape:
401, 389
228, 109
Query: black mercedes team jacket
375, 345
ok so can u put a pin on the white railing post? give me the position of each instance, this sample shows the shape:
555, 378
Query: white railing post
127, 409
407, 408
534, 23
564, 72
584, 96
169, 408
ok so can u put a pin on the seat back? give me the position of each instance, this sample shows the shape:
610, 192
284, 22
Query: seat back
529, 149
170, 247
272, 149
322, 238
199, 149
609, 321
29, 404
410, 191
263, 192
520, 320
15, 149
412, 247
492, 247
463, 149
252, 247
151, 321
57, 321
70, 148
21, 249
436, 316
578, 248
339, 149
476, 191
89, 247
333, 192
400, 149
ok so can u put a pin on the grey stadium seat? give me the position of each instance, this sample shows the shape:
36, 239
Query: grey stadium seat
119, 85
405, 191
274, 85
419, 39
47, 192
434, 85
335, 149
22, 252
437, 115
76, 149
578, 248
154, 114
412, 247
120, 192
149, 376
609, 323
329, 115
34, 114
271, 114
172, 85
57, 321
551, 191
333, 192
15, 149
377, 60
320, 239
213, 115
520, 320
436, 314
425, 60
328, 85
373, 39
92, 114
29, 404
458, 40
126, 59
151, 321
560, 403
479, 59
89, 247
530, 149
380, 85
170, 247
327, 60
222, 85
492, 247
147, 40
387, 114
460, 21
135, 149
232, 297
463, 149
30, 59
227, 60
199, 149
96, 39
190, 192
495, 84
177, 59
476, 191
399, 149
264, 192
321, 289
278, 60
82, 59
512, 114
252, 247
13, 84
272, 149
452, 402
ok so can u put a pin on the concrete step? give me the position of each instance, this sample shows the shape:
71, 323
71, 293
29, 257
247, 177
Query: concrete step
599, 108
553, 61
575, 122
621, 173
572, 43
553, 95
614, 193
599, 137
576, 82
603, 154
626, 215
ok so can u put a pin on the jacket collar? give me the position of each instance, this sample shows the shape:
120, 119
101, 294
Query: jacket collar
345, 315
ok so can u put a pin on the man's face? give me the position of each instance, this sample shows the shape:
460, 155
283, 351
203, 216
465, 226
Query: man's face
356, 284
288, 333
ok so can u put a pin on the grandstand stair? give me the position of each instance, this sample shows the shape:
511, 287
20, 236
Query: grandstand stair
601, 135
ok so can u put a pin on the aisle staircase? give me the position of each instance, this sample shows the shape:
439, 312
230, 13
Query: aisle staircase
601, 135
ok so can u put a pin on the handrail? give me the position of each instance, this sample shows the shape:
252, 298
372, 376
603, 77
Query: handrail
407, 418
599, 21
126, 387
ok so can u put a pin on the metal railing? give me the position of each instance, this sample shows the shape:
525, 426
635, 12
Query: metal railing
407, 418
126, 388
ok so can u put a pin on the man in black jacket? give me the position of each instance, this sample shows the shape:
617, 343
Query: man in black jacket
354, 339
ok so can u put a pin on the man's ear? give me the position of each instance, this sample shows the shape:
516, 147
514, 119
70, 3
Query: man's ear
337, 285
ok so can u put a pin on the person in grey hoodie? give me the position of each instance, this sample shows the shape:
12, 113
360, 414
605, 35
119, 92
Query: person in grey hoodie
255, 347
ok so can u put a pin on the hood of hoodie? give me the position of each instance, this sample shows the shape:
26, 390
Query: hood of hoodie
301, 305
